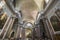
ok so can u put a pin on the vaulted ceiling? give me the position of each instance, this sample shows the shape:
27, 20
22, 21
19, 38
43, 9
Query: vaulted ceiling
29, 8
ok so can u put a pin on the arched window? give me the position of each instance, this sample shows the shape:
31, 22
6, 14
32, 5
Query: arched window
15, 25
55, 23
58, 12
12, 35
3, 18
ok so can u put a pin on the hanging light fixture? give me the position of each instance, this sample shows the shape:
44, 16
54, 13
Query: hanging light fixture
28, 25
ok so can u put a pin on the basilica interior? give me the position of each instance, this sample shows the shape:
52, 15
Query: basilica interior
29, 19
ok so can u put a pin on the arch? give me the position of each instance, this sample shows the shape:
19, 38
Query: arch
55, 23
3, 18
15, 24
12, 34
58, 12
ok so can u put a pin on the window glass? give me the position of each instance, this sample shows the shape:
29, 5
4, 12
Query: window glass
3, 18
58, 13
55, 23
15, 25
12, 35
